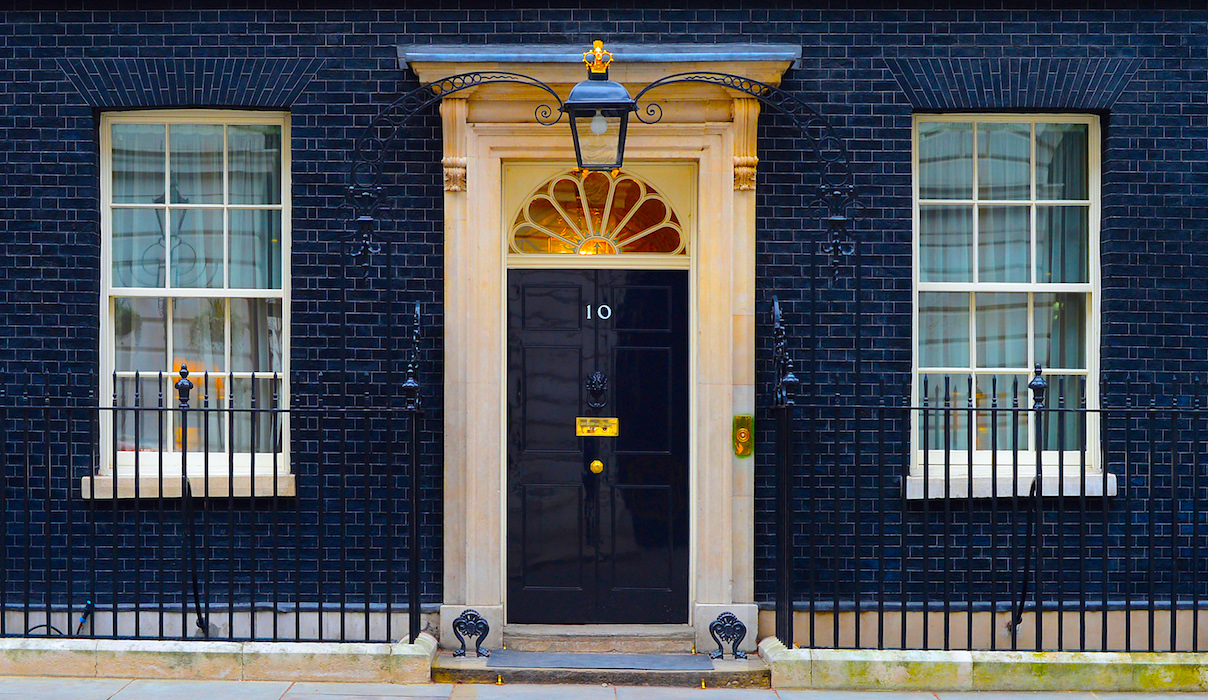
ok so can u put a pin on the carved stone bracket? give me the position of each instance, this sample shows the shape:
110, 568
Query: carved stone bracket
470, 624
744, 172
727, 628
746, 122
455, 174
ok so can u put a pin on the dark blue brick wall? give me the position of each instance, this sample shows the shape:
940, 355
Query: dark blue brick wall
867, 66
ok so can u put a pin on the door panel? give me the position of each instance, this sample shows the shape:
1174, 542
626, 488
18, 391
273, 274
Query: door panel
647, 401
544, 373
613, 546
640, 518
553, 556
552, 308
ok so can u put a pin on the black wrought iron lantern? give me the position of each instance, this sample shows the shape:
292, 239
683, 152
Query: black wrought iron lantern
598, 109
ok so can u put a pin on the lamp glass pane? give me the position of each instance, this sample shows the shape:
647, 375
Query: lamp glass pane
599, 136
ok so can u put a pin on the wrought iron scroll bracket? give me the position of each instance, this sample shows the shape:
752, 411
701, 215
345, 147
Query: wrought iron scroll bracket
367, 173
727, 628
786, 381
836, 199
470, 624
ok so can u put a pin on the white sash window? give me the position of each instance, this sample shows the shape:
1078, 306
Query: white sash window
195, 245
1006, 276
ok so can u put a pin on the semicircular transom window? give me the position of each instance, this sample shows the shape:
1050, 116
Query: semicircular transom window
597, 213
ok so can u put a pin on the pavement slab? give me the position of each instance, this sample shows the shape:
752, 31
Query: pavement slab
534, 692
203, 690
25, 688
1020, 695
61, 688
357, 691
854, 695
625, 692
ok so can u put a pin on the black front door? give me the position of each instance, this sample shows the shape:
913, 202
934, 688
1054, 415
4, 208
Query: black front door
609, 543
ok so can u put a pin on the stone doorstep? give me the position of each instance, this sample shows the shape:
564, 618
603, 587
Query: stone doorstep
600, 639
727, 673
203, 660
866, 669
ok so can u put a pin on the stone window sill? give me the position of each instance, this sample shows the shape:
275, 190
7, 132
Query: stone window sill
1008, 485
103, 487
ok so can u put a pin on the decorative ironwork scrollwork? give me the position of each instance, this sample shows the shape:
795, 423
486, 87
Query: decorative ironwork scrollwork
366, 174
836, 200
786, 382
597, 385
363, 245
410, 388
727, 628
470, 624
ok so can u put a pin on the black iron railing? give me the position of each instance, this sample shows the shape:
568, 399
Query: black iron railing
938, 523
177, 510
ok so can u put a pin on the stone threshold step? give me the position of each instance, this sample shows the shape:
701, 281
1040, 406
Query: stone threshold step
630, 639
726, 673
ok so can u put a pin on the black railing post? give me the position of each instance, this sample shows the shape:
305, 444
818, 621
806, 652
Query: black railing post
1039, 386
411, 392
183, 388
784, 400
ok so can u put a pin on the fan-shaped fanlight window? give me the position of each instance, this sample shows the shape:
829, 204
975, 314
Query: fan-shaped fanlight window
597, 214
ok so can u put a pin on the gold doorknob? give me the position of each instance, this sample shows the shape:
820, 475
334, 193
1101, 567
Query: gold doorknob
596, 466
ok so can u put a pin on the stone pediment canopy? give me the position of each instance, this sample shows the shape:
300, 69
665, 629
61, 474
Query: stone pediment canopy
634, 65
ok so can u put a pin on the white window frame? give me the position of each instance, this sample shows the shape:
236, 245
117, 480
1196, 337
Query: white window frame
961, 473
209, 472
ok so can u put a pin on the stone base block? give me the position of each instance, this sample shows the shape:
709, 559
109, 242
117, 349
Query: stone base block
170, 659
885, 669
1051, 670
790, 667
201, 660
493, 614
706, 613
313, 661
1170, 671
984, 670
48, 657
412, 663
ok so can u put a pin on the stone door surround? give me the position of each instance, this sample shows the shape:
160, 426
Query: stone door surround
709, 126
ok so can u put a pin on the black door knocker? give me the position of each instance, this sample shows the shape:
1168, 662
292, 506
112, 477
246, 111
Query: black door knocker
597, 385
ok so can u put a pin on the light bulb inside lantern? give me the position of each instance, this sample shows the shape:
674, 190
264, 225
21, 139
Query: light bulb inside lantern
598, 125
